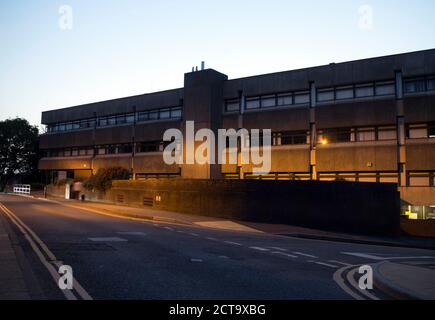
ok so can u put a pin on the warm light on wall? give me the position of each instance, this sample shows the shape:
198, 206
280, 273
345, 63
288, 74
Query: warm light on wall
324, 141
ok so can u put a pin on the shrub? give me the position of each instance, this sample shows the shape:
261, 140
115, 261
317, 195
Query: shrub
102, 180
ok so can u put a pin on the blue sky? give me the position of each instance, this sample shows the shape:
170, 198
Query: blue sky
120, 48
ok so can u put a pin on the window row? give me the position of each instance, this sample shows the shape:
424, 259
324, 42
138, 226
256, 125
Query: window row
421, 84
143, 116
356, 91
356, 134
269, 101
420, 131
421, 179
379, 177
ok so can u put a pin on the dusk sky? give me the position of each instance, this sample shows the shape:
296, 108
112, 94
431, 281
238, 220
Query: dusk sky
115, 48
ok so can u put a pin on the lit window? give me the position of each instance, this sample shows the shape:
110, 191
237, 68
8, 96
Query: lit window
419, 179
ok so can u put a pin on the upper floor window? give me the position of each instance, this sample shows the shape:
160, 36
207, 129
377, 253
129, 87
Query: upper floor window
421, 84
421, 131
289, 138
232, 105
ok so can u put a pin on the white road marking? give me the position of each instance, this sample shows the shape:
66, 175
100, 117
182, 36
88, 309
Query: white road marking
278, 248
195, 260
233, 243
326, 264
223, 257
132, 233
211, 239
284, 254
340, 281
339, 262
34, 241
259, 248
180, 231
194, 234
304, 254
108, 239
169, 228
373, 257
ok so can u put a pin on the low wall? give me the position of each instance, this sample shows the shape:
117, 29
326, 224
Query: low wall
367, 208
418, 228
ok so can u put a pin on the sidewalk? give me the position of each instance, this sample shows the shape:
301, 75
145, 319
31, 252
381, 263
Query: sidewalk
12, 281
225, 224
405, 282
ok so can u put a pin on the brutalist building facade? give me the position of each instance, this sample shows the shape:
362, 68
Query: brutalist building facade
370, 120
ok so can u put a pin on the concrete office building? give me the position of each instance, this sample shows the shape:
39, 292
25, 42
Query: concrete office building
370, 120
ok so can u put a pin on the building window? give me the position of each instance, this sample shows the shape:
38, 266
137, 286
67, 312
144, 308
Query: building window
289, 138
415, 85
343, 93
268, 101
387, 133
176, 113
150, 146
364, 91
418, 131
252, 103
165, 113
336, 135
420, 179
302, 98
232, 105
366, 134
153, 115
285, 99
385, 88
325, 95
431, 84
129, 118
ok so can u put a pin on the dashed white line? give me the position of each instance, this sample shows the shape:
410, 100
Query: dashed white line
211, 239
326, 264
339, 262
233, 243
277, 248
195, 260
284, 254
304, 254
194, 234
373, 257
169, 228
259, 248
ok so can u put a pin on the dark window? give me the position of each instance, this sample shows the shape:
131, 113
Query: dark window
176, 113
129, 118
232, 105
153, 115
285, 99
120, 119
289, 138
253, 103
364, 90
152, 146
268, 101
124, 148
165, 113
431, 84
337, 135
102, 122
142, 116
111, 121
431, 130
415, 85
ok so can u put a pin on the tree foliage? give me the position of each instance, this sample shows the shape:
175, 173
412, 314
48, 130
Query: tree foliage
18, 149
102, 180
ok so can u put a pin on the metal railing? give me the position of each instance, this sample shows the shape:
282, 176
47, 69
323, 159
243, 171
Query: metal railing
22, 188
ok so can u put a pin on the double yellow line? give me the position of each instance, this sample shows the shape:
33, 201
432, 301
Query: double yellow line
47, 258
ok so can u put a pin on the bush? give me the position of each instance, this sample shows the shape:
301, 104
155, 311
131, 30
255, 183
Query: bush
102, 180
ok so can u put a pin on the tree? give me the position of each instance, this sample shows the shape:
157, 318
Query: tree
18, 149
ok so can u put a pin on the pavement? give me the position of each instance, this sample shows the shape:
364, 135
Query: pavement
16, 279
117, 255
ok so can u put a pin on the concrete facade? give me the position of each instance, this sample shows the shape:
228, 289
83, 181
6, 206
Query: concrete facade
370, 120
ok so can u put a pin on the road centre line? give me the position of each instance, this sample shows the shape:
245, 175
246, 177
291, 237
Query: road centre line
304, 254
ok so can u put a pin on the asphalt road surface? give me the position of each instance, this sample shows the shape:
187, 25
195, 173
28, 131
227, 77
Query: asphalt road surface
116, 258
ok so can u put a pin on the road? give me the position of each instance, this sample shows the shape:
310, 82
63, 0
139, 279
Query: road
116, 258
